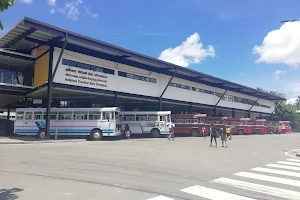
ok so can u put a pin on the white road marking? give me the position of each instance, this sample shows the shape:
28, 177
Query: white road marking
288, 163
212, 193
160, 198
284, 167
293, 160
287, 194
275, 171
269, 178
292, 151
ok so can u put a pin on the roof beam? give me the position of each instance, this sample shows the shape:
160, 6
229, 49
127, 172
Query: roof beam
20, 37
40, 42
43, 27
16, 56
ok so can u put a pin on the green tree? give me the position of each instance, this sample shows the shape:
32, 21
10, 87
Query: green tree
298, 101
4, 5
286, 112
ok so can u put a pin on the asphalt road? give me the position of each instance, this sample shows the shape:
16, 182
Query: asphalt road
152, 168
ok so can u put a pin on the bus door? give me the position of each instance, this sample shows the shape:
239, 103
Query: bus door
19, 123
163, 120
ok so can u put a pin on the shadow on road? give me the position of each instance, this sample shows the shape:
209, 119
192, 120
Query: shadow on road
9, 194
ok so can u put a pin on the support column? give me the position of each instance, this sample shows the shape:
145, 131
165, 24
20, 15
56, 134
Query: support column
25, 103
49, 91
8, 112
215, 112
7, 127
115, 99
249, 115
190, 109
233, 113
160, 104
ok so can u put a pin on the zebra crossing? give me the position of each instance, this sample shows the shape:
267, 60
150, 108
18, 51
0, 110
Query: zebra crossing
281, 173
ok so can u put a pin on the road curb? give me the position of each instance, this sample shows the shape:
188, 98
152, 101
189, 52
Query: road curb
41, 142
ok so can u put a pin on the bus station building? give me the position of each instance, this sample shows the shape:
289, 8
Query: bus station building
42, 65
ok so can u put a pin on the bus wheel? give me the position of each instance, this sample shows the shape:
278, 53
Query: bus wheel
241, 132
96, 134
155, 133
258, 132
195, 133
42, 134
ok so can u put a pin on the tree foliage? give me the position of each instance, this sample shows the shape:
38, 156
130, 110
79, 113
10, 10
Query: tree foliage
286, 112
4, 5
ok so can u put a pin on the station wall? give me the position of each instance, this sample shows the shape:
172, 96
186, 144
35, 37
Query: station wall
86, 71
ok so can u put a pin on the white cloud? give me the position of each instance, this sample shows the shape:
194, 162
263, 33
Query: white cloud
72, 9
52, 2
87, 11
278, 73
26, 1
191, 51
281, 46
291, 100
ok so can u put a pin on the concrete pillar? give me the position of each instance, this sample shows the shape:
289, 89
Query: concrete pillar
49, 92
8, 112
233, 113
115, 99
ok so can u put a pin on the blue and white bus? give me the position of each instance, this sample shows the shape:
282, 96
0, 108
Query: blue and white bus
154, 123
93, 122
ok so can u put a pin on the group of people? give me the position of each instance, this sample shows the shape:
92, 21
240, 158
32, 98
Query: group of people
225, 133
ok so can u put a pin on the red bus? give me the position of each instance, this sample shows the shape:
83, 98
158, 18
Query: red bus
260, 126
279, 126
219, 122
284, 127
239, 126
247, 126
190, 124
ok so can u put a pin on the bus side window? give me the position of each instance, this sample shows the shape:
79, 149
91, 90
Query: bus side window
80, 117
106, 116
152, 118
143, 118
28, 116
160, 118
20, 115
187, 120
97, 117
37, 116
65, 116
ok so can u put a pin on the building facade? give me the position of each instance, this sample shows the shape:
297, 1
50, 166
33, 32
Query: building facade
41, 63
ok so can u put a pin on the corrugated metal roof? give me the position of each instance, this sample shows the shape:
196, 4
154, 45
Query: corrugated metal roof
29, 33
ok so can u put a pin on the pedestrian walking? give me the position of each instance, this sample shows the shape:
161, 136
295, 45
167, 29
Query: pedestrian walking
228, 132
171, 134
224, 136
213, 134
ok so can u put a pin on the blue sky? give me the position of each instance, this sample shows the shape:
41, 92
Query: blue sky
228, 32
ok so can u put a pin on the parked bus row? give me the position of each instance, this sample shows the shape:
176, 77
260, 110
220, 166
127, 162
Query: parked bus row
93, 122
100, 122
199, 125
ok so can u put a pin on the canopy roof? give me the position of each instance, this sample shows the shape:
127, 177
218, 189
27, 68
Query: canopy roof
30, 34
